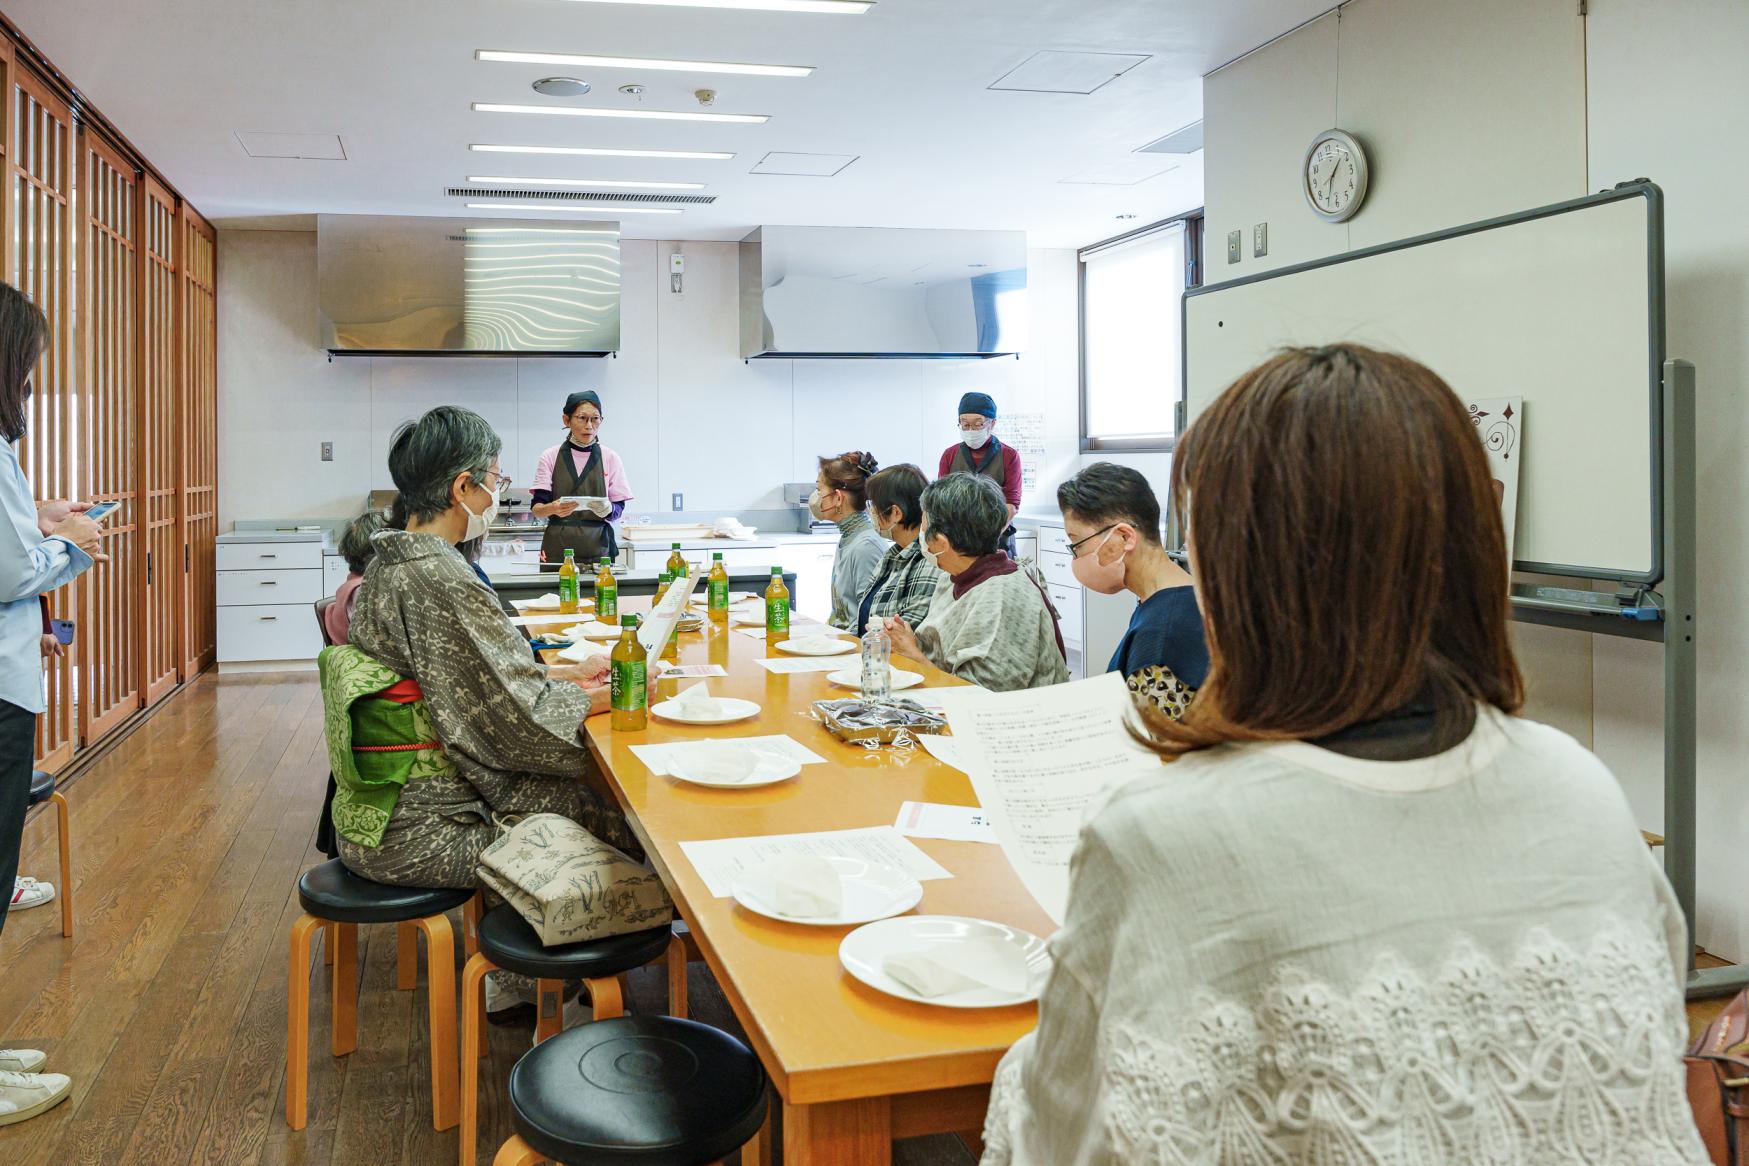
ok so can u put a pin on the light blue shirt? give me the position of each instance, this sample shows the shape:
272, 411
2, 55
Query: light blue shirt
30, 565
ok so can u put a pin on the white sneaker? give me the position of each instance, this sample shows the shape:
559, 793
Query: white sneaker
29, 892
24, 1095
21, 1060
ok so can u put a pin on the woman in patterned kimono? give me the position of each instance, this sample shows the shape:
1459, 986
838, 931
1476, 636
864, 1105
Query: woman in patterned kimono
510, 729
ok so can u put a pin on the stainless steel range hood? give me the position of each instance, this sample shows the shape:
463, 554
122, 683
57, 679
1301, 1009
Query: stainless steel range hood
467, 287
871, 293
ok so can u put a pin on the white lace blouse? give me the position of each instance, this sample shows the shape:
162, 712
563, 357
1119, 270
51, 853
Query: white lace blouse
1276, 954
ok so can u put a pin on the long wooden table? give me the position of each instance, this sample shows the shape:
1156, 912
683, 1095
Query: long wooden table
855, 1068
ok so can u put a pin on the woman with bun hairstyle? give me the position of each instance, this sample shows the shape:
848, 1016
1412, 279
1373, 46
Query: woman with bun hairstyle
841, 496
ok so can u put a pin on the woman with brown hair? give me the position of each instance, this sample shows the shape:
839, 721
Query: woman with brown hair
1367, 914
841, 496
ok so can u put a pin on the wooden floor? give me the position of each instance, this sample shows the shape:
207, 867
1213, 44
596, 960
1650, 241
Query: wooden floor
167, 1007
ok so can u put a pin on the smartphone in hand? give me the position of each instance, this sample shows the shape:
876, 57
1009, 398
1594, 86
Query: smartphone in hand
101, 511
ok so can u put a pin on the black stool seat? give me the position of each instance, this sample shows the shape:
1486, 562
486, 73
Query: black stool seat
508, 941
638, 1091
41, 786
332, 892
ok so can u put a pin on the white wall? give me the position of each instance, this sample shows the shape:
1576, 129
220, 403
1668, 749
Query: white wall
1468, 111
1665, 83
682, 409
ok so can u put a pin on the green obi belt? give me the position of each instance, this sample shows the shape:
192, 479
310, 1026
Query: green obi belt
380, 737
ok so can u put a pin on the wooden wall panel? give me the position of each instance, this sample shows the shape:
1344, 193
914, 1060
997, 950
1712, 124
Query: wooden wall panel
109, 430
40, 163
200, 438
161, 442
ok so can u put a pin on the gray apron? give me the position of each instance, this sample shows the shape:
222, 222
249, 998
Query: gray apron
590, 537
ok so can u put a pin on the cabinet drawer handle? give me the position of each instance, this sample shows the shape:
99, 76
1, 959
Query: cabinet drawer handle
267, 556
268, 618
267, 583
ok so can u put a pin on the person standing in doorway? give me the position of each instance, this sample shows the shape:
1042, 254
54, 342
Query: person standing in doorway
580, 467
43, 546
979, 451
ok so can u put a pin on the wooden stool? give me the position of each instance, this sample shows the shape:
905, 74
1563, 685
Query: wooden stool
42, 789
507, 943
338, 900
636, 1091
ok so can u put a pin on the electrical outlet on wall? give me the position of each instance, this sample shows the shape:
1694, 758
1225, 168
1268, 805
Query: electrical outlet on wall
327, 451
679, 500
1235, 245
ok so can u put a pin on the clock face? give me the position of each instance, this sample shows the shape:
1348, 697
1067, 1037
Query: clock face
1335, 176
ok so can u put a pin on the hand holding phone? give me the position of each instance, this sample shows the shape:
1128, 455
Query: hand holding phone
102, 510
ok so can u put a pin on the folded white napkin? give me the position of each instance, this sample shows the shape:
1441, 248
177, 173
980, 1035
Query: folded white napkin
942, 968
547, 602
696, 701
600, 507
805, 887
583, 651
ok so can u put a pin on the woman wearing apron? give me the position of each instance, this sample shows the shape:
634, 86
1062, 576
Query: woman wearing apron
580, 465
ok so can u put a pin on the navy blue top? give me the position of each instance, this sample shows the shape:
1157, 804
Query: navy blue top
1165, 629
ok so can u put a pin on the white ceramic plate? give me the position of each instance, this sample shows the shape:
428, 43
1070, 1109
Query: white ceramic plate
594, 630
852, 678
816, 645
727, 709
864, 952
870, 891
733, 766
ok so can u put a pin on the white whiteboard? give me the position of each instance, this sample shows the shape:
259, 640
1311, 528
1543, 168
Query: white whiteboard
1561, 306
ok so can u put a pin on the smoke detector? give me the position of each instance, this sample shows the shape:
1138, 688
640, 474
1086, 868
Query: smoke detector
561, 87
705, 96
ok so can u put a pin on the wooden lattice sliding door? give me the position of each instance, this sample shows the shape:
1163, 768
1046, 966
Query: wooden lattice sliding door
108, 424
40, 162
161, 441
200, 440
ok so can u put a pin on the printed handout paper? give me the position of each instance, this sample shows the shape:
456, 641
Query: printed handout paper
721, 861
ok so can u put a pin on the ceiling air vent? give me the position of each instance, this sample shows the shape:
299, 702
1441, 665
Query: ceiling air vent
583, 197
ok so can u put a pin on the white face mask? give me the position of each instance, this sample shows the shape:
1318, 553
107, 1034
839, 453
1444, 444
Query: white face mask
933, 557
479, 524
814, 505
975, 438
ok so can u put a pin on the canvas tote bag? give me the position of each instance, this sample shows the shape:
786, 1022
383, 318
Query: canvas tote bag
570, 885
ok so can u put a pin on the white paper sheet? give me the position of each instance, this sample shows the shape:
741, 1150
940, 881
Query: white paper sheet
653, 631
1038, 759
953, 823
795, 626
689, 671
783, 665
947, 750
553, 620
721, 861
950, 701
660, 758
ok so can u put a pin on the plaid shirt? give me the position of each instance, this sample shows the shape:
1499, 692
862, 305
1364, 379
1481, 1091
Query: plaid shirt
904, 584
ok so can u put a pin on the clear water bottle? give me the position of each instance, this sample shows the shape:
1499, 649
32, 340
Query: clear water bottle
877, 669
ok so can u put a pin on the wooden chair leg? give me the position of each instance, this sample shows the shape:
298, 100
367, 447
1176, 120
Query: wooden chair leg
471, 912
473, 1049
549, 1009
345, 998
757, 1151
328, 944
676, 977
297, 1024
516, 1152
65, 837
440, 985
406, 956
606, 998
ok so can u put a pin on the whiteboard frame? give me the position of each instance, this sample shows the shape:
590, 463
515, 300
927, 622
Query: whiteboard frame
1654, 200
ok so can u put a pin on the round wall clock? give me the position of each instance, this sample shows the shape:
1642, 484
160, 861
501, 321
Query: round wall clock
1334, 176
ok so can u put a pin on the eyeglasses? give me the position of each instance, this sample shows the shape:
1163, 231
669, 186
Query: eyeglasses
591, 422
1075, 553
973, 428
504, 482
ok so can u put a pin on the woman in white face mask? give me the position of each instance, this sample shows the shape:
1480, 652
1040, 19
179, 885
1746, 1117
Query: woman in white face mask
1112, 520
979, 451
509, 726
841, 496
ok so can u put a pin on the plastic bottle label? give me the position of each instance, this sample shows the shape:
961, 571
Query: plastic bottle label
606, 602
628, 693
776, 615
568, 589
719, 594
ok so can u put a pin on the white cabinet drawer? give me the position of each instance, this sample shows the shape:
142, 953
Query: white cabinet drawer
1055, 568
242, 588
1067, 601
269, 556
268, 632
1052, 538
334, 573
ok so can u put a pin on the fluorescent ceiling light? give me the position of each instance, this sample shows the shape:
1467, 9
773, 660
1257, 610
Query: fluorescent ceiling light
590, 152
642, 114
535, 231
574, 210
493, 180
586, 61
828, 7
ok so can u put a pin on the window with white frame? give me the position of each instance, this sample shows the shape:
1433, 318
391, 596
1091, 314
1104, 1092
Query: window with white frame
1131, 371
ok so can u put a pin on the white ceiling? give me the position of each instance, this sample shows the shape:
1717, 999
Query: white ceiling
903, 87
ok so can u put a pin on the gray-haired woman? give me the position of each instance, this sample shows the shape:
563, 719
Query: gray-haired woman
990, 622
510, 729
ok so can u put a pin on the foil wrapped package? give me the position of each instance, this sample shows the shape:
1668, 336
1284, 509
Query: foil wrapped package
860, 721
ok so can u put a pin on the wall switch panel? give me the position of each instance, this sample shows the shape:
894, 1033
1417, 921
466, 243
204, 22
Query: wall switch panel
1260, 240
679, 501
327, 451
